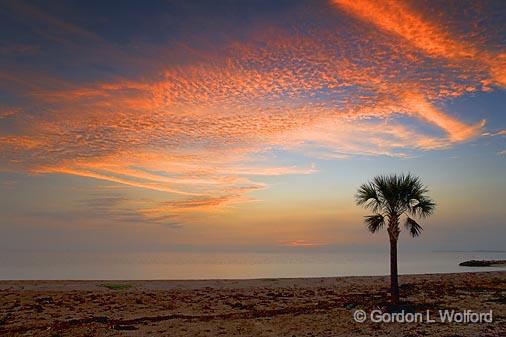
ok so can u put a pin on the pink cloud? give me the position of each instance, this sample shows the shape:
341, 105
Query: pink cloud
200, 131
302, 243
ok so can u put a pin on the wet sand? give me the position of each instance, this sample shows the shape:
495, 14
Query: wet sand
264, 307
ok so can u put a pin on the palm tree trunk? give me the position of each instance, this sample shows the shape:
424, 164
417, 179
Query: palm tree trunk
394, 279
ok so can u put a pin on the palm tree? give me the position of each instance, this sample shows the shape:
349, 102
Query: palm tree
389, 197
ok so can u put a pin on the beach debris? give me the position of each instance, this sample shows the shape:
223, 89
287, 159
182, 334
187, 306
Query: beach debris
4, 319
100, 319
482, 263
124, 327
44, 300
250, 307
116, 286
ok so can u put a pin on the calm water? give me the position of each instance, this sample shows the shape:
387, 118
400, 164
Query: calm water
178, 265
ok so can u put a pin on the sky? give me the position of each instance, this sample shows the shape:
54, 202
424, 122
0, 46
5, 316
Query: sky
247, 125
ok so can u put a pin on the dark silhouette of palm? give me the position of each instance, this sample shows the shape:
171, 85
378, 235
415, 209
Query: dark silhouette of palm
390, 197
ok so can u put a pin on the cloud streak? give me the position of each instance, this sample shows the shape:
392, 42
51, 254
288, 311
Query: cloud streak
303, 243
204, 131
398, 18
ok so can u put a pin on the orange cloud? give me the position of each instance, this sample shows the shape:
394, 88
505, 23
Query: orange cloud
89, 174
457, 130
303, 243
202, 132
200, 203
397, 17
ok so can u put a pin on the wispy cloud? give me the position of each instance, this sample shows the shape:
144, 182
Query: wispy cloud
303, 243
113, 208
457, 131
496, 133
46, 24
200, 130
424, 33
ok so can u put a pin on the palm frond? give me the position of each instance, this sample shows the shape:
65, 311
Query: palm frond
374, 222
414, 228
423, 207
368, 197
392, 195
388, 189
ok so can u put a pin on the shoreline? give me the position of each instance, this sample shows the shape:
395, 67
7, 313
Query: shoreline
499, 268
219, 283
254, 307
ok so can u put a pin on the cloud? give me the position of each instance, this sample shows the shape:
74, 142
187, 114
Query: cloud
49, 26
303, 243
202, 203
204, 131
19, 49
424, 33
109, 208
6, 111
456, 130
496, 133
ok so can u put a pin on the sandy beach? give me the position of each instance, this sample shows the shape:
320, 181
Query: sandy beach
263, 307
